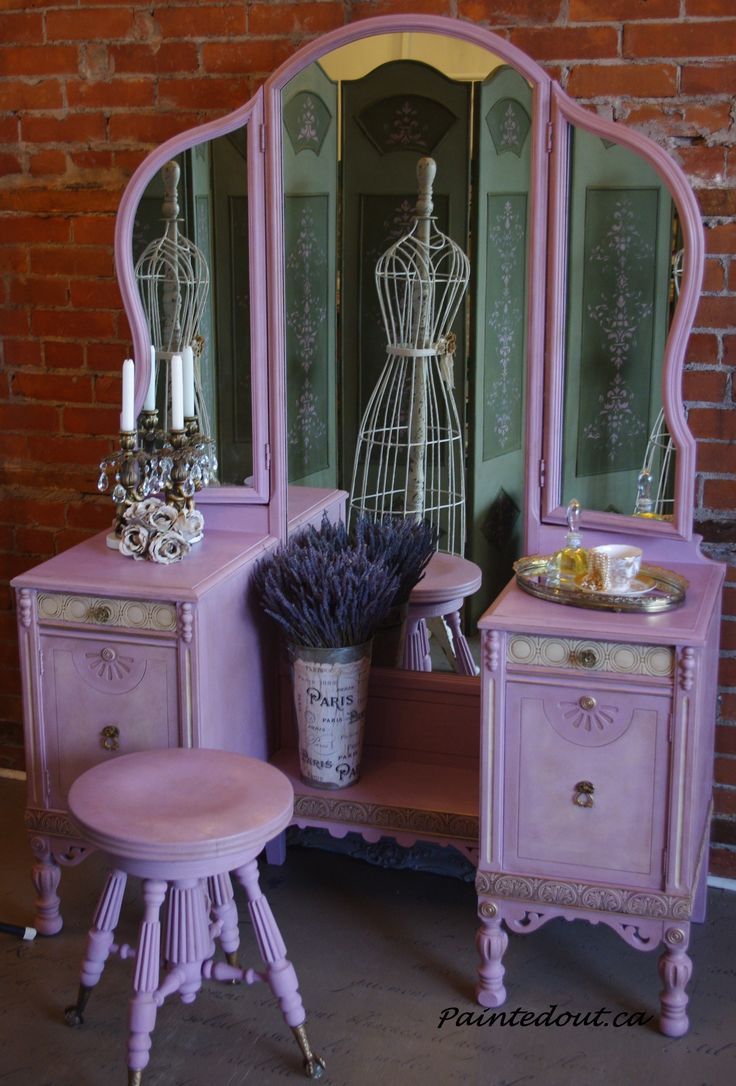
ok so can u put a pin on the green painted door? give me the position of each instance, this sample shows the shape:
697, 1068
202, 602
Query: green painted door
310, 168
385, 131
496, 416
619, 262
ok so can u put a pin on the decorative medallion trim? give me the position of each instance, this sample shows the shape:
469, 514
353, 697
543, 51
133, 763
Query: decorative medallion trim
389, 819
529, 650
106, 611
583, 895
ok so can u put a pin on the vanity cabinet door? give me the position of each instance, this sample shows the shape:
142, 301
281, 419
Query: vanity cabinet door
586, 781
104, 696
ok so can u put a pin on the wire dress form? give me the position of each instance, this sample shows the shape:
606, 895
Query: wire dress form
409, 459
174, 282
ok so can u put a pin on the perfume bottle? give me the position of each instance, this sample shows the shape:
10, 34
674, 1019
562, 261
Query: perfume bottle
570, 564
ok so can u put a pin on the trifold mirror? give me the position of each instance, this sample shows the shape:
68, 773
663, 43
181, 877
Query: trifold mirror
585, 254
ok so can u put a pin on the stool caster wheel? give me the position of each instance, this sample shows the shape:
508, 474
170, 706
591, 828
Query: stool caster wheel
74, 1015
313, 1065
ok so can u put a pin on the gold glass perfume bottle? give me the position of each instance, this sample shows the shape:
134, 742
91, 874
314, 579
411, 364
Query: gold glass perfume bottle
570, 564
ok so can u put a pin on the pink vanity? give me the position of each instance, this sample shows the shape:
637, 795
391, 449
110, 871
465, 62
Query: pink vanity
576, 769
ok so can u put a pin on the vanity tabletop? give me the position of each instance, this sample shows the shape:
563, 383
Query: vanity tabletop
516, 610
93, 568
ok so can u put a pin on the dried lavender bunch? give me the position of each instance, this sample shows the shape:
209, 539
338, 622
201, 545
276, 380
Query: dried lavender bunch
323, 591
405, 544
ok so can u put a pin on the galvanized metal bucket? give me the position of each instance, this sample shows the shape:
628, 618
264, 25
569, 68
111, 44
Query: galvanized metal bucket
330, 688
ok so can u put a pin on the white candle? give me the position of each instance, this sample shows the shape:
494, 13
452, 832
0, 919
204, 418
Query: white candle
127, 416
187, 358
177, 394
149, 404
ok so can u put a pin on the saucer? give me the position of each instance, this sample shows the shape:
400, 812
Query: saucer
638, 587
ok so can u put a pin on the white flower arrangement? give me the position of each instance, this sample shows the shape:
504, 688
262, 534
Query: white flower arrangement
158, 532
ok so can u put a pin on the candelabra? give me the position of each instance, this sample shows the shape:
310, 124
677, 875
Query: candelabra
151, 462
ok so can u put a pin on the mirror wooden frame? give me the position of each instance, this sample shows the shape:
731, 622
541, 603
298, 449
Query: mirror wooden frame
554, 113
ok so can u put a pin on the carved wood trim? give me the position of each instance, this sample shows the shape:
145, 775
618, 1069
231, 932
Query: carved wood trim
156, 615
619, 658
390, 820
582, 895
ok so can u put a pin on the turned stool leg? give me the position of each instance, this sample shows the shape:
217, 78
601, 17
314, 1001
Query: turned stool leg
280, 972
99, 942
220, 890
187, 942
417, 656
675, 969
491, 941
143, 1004
463, 658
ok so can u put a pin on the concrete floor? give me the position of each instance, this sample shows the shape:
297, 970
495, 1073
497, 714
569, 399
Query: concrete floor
380, 954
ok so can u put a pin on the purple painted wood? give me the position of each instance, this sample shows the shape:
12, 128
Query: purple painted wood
181, 819
446, 583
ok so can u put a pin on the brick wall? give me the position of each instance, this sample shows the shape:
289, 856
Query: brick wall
89, 86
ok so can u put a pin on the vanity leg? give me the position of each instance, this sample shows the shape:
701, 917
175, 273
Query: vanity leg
675, 969
491, 941
46, 875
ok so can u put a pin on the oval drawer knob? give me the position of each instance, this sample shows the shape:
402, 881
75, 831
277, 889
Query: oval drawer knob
110, 735
584, 794
588, 658
100, 612
587, 703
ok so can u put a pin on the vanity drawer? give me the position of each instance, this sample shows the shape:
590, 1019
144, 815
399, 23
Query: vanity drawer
585, 782
158, 616
615, 657
103, 697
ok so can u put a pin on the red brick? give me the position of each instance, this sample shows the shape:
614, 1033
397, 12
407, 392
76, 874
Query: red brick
721, 494
95, 294
13, 446
54, 388
69, 128
113, 22
709, 78
93, 229
22, 352
732, 276
722, 863
61, 355
208, 93
714, 277
712, 422
701, 39
123, 94
203, 21
716, 311
148, 130
92, 420
717, 201
316, 18
72, 260
249, 56
393, 7
28, 417
709, 7
716, 456
702, 163
729, 350
724, 800
17, 510
24, 28
681, 120
41, 60
721, 238
30, 228
67, 449
95, 514
69, 537
552, 43
618, 11
66, 323
19, 95
726, 737
13, 260
48, 162
39, 291
646, 80
13, 322
35, 541
728, 636
168, 57
107, 389
9, 164
704, 385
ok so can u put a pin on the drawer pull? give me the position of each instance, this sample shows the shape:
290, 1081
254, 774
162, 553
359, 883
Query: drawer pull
584, 794
588, 658
111, 737
587, 703
100, 612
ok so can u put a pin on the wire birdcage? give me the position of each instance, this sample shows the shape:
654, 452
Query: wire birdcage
409, 459
174, 279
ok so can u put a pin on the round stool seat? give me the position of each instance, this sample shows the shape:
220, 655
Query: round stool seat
169, 810
447, 577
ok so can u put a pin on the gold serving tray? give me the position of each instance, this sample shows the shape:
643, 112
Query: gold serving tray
667, 590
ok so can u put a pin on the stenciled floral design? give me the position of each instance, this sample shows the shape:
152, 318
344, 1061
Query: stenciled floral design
618, 315
505, 324
305, 318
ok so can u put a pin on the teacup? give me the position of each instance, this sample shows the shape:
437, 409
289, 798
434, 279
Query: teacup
614, 566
